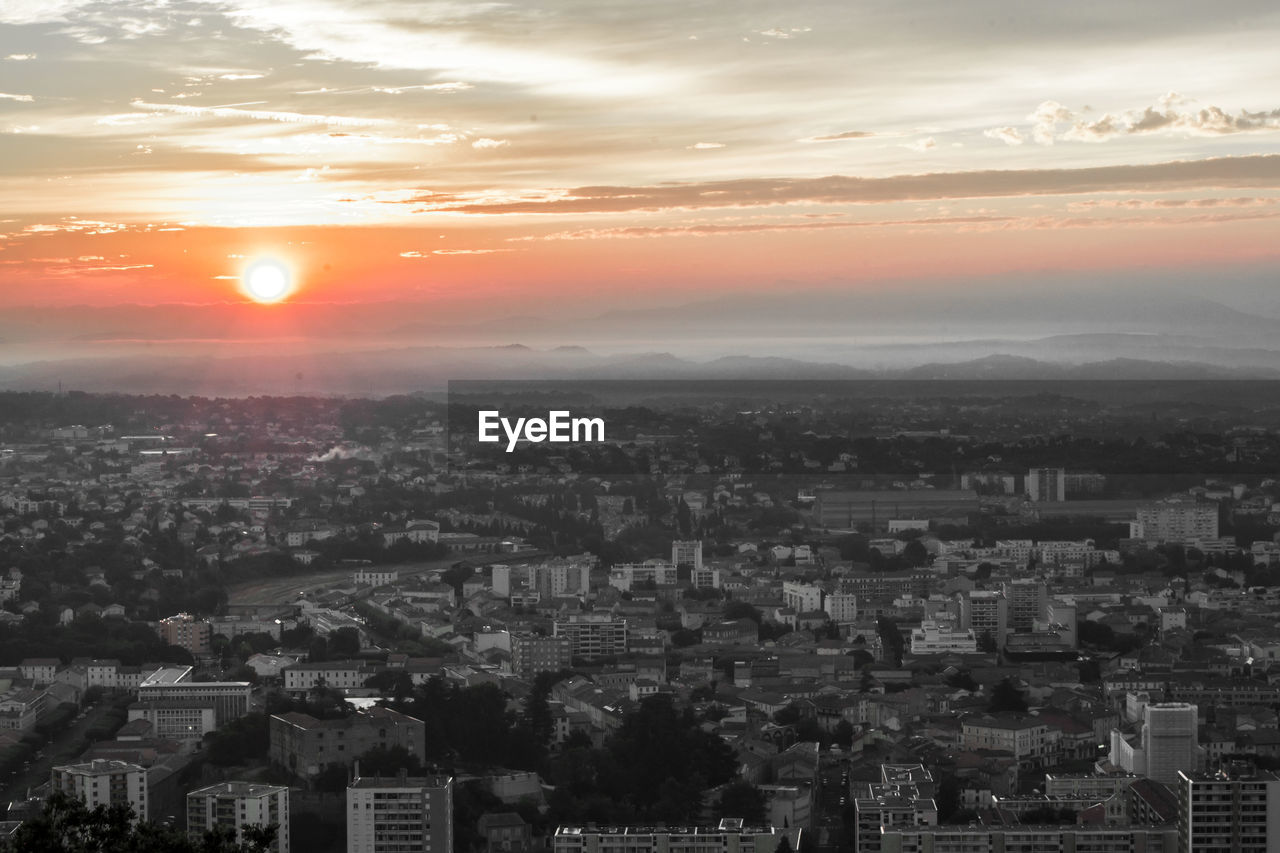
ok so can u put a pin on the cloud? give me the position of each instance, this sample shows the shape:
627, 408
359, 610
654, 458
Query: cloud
705, 146
1171, 113
922, 144
840, 137
5, 96
712, 230
234, 111
416, 254
486, 142
1007, 135
20, 57
776, 33
1253, 171
1045, 121
241, 76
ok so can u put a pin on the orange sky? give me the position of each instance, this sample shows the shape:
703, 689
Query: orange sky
575, 157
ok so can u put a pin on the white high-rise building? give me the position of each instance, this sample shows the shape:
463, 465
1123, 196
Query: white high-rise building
1169, 740
1175, 522
237, 804
104, 782
687, 552
402, 814
1046, 485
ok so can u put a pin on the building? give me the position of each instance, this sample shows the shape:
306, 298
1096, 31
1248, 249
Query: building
1047, 485
305, 746
628, 577
729, 836
933, 638
182, 721
1169, 740
902, 798
687, 553
186, 632
1177, 521
532, 654
1023, 736
1027, 599
841, 606
104, 782
846, 510
505, 832
404, 814
234, 805
593, 634
375, 577
556, 578
1061, 838
802, 597
41, 671
1235, 809
172, 686
338, 674
986, 613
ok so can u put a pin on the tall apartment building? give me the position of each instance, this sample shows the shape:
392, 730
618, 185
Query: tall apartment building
560, 577
593, 634
841, 606
902, 798
401, 814
729, 836
532, 654
234, 805
104, 782
1169, 740
1233, 810
1046, 485
1174, 522
1027, 599
986, 613
687, 552
305, 746
187, 632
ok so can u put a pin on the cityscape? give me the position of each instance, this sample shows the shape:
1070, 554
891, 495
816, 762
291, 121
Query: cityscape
577, 426
345, 624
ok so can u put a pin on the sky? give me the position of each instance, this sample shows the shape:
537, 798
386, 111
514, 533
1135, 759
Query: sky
474, 159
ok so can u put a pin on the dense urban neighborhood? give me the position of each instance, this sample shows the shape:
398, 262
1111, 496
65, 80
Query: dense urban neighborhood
932, 620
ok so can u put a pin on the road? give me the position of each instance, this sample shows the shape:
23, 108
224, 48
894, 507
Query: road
64, 748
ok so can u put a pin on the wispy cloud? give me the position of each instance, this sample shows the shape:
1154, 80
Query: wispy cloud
485, 142
840, 137
233, 111
1256, 171
20, 57
5, 96
417, 254
706, 146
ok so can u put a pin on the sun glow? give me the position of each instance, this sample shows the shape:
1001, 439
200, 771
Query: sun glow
267, 280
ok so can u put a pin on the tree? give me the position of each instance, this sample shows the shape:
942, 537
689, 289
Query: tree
67, 826
744, 800
1006, 696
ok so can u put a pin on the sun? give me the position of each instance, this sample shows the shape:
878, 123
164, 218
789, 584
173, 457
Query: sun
267, 280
